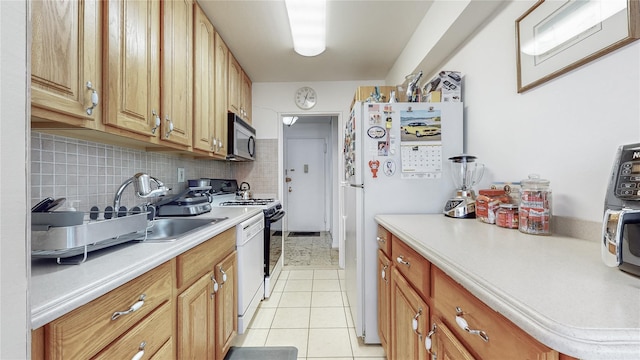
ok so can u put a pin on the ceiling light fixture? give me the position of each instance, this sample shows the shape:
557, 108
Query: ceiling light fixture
289, 120
308, 22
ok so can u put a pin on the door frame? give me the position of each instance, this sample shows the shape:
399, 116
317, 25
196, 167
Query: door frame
334, 144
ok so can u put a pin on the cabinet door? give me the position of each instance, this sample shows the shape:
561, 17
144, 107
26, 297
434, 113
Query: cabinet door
226, 304
235, 78
196, 320
245, 98
445, 345
204, 136
65, 57
177, 78
410, 315
132, 68
221, 96
384, 299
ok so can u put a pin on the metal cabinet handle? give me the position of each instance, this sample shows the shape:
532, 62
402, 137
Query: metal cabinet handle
214, 143
401, 260
215, 286
94, 98
140, 352
224, 276
170, 127
156, 121
133, 308
383, 273
220, 146
428, 344
381, 240
465, 326
414, 324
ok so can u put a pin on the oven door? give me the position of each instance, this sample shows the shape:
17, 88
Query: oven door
272, 244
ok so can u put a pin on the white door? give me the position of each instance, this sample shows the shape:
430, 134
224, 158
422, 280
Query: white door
305, 184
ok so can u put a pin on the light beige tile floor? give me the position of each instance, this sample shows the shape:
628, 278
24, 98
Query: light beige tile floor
308, 310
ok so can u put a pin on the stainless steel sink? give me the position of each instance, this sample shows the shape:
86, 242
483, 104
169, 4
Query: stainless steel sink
169, 229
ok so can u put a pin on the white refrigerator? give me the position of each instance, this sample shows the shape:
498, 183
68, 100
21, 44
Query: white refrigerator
395, 161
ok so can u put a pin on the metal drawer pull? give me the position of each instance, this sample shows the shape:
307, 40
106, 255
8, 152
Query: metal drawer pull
133, 308
414, 324
140, 352
400, 260
382, 240
94, 98
465, 326
427, 341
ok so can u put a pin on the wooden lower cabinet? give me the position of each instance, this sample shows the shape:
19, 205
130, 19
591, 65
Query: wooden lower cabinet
226, 304
426, 304
384, 299
444, 345
409, 320
197, 319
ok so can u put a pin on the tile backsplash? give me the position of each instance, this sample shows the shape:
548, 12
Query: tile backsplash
91, 172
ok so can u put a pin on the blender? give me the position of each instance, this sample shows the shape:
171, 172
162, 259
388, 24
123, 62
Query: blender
465, 173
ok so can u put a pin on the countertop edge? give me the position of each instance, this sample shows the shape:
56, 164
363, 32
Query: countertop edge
164, 251
573, 341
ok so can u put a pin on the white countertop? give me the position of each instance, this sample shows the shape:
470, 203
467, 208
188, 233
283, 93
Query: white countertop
555, 288
58, 289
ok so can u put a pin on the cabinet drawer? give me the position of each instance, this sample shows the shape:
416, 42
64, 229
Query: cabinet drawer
384, 240
505, 340
83, 332
153, 331
196, 262
412, 265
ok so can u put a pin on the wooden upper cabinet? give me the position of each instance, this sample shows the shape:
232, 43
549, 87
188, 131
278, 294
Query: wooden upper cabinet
65, 57
132, 68
221, 96
177, 74
245, 98
235, 80
204, 135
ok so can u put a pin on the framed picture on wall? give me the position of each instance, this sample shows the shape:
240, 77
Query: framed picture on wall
554, 37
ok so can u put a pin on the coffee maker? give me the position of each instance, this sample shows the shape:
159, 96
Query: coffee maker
620, 245
465, 173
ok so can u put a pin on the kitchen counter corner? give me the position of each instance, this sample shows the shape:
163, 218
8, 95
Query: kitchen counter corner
555, 288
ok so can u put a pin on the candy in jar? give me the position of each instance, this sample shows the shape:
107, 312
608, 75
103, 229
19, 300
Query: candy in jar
507, 216
535, 206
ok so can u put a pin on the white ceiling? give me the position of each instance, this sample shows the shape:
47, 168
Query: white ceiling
364, 38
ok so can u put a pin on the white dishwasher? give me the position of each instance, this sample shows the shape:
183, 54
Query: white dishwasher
250, 250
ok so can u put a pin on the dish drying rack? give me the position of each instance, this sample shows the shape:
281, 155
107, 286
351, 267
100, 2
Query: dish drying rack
64, 235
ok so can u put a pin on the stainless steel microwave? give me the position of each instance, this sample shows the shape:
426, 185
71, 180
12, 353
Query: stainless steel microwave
242, 140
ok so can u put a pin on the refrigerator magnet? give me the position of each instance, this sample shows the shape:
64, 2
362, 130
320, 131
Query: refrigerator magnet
389, 167
376, 132
373, 166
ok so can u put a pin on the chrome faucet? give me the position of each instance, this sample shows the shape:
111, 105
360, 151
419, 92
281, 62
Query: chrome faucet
141, 183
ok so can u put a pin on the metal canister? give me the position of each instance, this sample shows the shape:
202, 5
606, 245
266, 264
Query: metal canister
535, 206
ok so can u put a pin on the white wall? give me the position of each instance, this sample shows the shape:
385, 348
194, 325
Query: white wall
272, 100
566, 130
14, 272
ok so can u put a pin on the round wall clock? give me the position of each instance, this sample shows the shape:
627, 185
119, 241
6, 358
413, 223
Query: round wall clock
306, 98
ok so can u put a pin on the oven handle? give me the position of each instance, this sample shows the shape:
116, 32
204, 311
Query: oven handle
277, 216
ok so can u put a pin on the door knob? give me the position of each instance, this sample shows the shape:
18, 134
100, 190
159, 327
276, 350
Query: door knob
287, 179
290, 190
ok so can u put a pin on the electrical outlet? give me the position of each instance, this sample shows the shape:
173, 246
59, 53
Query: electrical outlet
181, 175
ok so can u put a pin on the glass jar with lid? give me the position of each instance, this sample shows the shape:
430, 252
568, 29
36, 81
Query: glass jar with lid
535, 206
507, 216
